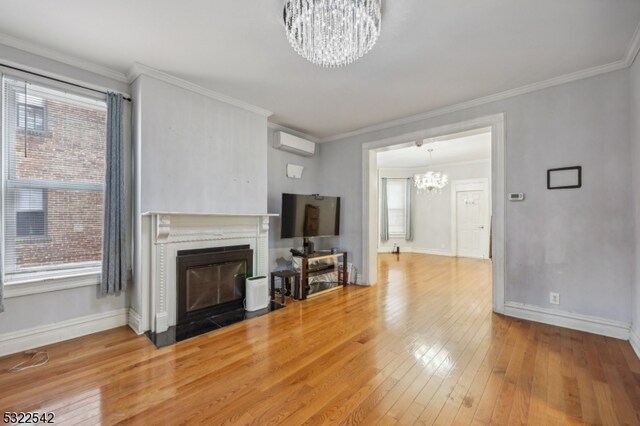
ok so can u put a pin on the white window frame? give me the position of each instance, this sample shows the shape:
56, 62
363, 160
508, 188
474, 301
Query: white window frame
70, 275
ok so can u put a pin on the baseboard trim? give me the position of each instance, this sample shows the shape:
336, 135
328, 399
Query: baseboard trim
45, 335
634, 339
135, 321
403, 249
434, 252
589, 324
389, 250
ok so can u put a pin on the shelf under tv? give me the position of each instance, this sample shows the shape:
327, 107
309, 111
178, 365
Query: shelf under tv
308, 270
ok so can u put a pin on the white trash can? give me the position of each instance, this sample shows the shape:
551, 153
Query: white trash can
257, 293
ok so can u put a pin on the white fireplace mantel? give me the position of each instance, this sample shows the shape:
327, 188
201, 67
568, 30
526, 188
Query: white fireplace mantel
164, 234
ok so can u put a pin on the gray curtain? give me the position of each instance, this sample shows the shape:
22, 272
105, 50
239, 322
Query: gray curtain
1, 278
114, 267
1, 287
408, 217
384, 211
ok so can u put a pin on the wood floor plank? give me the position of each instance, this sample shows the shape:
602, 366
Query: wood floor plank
420, 347
555, 408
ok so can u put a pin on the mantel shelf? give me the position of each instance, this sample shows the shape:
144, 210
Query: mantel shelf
209, 214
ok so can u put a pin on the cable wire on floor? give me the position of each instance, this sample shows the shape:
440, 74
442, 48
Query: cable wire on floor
38, 359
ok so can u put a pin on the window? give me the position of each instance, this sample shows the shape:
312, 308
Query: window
31, 113
31, 217
397, 205
53, 186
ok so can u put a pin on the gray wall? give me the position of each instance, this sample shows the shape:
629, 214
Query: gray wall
47, 308
635, 141
22, 313
136, 291
432, 212
341, 165
578, 242
278, 183
199, 155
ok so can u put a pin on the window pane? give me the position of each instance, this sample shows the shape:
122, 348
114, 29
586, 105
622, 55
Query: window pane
396, 221
54, 143
29, 199
30, 223
396, 198
32, 115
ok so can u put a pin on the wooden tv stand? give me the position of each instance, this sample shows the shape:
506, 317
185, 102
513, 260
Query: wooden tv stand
318, 263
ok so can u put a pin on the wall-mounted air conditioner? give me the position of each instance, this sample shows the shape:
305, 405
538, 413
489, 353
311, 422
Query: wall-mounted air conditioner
287, 142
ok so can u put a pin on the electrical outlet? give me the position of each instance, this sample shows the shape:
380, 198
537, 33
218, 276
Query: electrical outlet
554, 298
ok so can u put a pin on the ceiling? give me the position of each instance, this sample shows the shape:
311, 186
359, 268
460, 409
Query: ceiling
461, 148
431, 53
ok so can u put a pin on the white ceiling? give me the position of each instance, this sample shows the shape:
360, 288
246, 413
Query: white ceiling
453, 149
431, 53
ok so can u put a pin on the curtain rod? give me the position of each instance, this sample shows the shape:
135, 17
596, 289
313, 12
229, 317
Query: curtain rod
60, 81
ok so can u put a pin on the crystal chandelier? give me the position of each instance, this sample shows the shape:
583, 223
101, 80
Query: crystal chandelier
332, 33
431, 182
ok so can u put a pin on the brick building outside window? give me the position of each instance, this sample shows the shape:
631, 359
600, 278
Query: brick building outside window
53, 168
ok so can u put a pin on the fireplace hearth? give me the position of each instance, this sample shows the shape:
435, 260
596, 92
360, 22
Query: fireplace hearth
204, 325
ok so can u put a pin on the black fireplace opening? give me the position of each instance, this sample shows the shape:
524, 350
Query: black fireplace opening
211, 281
210, 292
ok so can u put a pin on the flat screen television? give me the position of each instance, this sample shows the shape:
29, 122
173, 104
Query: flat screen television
305, 216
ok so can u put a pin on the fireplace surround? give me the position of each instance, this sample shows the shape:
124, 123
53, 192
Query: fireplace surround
163, 236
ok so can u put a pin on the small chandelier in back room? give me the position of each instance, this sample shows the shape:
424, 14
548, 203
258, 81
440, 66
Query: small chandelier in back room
430, 182
332, 33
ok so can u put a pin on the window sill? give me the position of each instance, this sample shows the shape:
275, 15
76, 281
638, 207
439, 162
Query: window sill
32, 132
61, 280
33, 239
403, 235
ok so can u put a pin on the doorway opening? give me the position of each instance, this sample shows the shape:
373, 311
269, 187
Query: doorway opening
461, 215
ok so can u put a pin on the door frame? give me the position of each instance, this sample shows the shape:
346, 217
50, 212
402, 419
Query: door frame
498, 195
454, 212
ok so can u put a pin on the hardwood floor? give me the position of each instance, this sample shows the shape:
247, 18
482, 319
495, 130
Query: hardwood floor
422, 347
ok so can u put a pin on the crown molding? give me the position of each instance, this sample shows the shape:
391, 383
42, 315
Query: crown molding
62, 58
556, 81
633, 48
632, 52
140, 69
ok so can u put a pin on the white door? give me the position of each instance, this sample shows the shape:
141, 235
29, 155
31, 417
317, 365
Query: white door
472, 221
